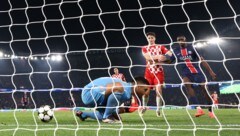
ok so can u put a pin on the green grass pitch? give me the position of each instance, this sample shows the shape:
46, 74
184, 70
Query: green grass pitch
176, 123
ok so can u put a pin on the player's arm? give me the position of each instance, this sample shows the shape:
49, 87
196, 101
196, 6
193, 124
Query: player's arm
123, 78
208, 68
166, 57
149, 58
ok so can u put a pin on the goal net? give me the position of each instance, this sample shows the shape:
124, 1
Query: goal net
51, 49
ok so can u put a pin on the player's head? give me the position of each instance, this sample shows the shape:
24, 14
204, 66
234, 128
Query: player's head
181, 40
141, 85
151, 37
116, 70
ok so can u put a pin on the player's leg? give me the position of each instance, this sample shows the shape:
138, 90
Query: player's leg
216, 103
93, 115
25, 105
199, 78
209, 100
113, 101
158, 82
190, 91
92, 97
158, 99
191, 95
71, 104
145, 98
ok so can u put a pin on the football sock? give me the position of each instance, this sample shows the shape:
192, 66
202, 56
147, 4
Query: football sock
199, 108
159, 103
210, 108
145, 100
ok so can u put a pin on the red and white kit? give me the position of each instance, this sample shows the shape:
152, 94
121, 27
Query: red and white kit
215, 98
119, 76
154, 72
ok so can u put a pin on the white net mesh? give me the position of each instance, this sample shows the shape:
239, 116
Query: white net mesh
51, 49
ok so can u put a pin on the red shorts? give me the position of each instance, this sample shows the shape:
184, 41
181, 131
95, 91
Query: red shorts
215, 102
154, 78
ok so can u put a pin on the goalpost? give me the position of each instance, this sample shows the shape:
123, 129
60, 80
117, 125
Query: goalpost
51, 49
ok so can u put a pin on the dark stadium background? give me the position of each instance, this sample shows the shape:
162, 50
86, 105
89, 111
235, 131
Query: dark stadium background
90, 55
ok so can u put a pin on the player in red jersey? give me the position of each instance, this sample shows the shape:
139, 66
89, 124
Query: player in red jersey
118, 75
25, 100
154, 71
215, 99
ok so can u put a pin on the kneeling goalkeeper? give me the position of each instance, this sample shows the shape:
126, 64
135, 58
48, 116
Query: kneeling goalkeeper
106, 94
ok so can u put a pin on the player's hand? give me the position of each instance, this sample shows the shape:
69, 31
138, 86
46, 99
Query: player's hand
213, 75
142, 109
152, 61
161, 58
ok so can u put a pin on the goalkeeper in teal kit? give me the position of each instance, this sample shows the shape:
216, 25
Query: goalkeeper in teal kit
106, 94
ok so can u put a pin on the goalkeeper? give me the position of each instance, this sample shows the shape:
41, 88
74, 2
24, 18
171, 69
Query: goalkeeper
106, 94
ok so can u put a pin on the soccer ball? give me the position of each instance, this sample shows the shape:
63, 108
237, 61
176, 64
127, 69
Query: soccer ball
45, 113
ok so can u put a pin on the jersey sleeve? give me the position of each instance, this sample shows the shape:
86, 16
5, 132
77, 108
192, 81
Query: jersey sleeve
164, 50
144, 50
174, 55
172, 58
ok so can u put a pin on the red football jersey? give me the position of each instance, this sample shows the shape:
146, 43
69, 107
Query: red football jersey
154, 50
119, 76
214, 96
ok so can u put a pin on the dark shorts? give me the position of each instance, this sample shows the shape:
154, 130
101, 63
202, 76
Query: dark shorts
196, 78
